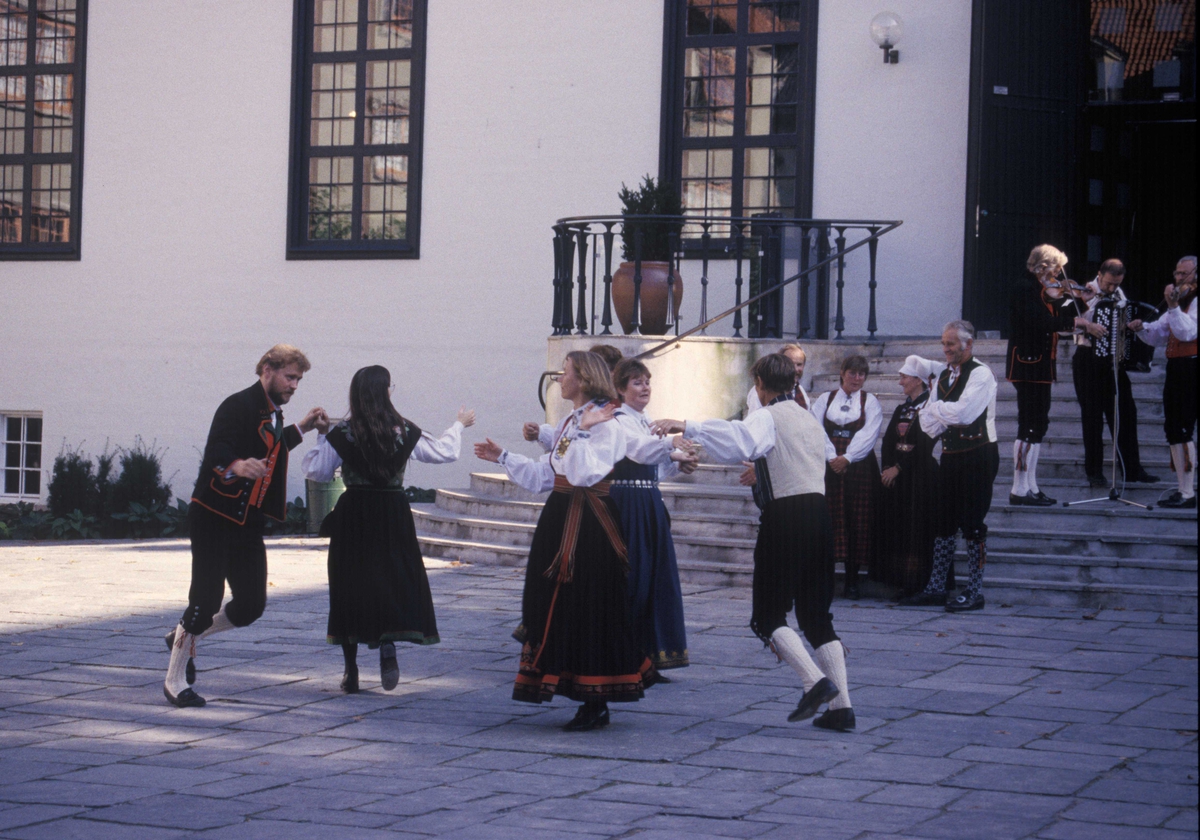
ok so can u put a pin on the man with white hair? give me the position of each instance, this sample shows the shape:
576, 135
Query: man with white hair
1177, 330
799, 358
962, 410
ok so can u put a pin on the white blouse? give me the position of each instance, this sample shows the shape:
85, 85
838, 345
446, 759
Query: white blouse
320, 461
845, 409
734, 441
584, 457
642, 446
1175, 322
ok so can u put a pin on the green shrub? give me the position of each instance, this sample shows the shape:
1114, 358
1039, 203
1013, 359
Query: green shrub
141, 480
72, 484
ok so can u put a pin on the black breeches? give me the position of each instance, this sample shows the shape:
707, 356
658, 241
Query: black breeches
1179, 400
794, 567
1094, 387
224, 551
1033, 410
966, 480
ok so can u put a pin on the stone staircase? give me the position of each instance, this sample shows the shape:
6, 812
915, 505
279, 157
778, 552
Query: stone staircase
1094, 556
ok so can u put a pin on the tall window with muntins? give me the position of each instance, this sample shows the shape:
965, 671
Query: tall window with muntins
41, 127
22, 464
738, 106
356, 134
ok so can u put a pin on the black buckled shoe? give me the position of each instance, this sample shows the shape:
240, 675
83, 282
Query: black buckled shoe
1031, 500
1176, 501
350, 680
590, 716
924, 599
189, 672
839, 720
1043, 500
1143, 477
1097, 481
389, 669
813, 699
963, 603
186, 699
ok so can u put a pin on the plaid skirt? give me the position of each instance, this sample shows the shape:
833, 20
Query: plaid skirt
851, 498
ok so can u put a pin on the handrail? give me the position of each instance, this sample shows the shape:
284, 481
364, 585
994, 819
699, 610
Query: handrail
827, 261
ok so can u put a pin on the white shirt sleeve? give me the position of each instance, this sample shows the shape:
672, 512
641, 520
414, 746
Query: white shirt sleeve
441, 450
977, 395
641, 445
863, 442
752, 403
320, 461
1175, 321
536, 476
734, 441
545, 437
592, 454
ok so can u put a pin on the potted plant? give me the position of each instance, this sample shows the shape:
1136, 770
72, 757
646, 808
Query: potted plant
650, 199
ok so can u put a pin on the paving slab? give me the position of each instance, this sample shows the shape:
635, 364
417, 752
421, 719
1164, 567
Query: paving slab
1009, 723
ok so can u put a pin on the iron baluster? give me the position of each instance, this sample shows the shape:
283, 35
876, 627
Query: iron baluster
568, 317
606, 320
774, 322
556, 315
871, 250
823, 282
802, 314
595, 255
672, 264
704, 239
581, 315
637, 282
839, 323
739, 243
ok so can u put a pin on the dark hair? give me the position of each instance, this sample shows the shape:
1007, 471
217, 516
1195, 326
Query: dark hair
776, 371
1114, 267
626, 370
857, 364
373, 420
611, 355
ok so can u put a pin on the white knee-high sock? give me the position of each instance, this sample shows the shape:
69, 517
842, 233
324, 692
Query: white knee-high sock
1184, 457
792, 651
185, 646
832, 659
220, 623
1020, 474
1031, 461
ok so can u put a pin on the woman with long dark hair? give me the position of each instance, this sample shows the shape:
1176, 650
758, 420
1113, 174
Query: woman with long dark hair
579, 642
378, 590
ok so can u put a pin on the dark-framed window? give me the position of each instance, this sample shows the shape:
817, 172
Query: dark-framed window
42, 46
21, 460
739, 83
357, 93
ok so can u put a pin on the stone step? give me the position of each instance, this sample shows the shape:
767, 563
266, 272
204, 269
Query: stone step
1109, 570
469, 503
1089, 597
466, 551
431, 520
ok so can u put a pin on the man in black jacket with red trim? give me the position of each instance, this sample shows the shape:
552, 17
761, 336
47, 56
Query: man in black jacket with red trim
243, 478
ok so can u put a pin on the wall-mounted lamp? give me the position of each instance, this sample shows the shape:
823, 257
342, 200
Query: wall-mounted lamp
886, 31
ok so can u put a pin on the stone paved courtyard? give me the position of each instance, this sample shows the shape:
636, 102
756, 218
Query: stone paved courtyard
1014, 722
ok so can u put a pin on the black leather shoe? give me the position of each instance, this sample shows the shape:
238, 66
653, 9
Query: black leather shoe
961, 603
590, 716
1140, 367
1030, 500
187, 699
813, 699
389, 670
851, 591
189, 673
1176, 500
924, 599
1143, 477
1097, 481
839, 720
350, 680
1044, 500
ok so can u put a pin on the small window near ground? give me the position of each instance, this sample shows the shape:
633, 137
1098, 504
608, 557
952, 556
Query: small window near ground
22, 457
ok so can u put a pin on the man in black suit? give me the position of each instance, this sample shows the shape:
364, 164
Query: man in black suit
243, 478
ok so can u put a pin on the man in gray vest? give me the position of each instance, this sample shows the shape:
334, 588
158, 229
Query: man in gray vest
793, 557
962, 410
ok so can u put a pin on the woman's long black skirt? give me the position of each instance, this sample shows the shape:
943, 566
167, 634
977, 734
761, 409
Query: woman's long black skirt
580, 643
378, 590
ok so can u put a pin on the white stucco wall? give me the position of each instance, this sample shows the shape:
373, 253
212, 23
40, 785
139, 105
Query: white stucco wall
534, 110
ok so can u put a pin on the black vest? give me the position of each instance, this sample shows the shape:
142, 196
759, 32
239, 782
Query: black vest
971, 435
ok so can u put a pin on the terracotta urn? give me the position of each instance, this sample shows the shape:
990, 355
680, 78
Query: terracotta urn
653, 320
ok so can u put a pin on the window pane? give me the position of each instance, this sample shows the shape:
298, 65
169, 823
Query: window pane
55, 32
33, 429
52, 113
11, 202
12, 482
333, 114
330, 198
14, 23
389, 24
387, 101
12, 427
50, 213
385, 197
33, 483
711, 17
33, 456
774, 16
12, 115
12, 453
335, 25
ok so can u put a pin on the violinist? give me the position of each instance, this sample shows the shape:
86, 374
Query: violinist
1040, 309
1096, 385
1177, 330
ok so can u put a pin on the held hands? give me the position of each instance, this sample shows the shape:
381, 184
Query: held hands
249, 468
839, 464
466, 416
749, 477
595, 415
888, 476
530, 431
315, 419
662, 428
688, 459
488, 451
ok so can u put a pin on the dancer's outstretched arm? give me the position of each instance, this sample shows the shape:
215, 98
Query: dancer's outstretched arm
447, 448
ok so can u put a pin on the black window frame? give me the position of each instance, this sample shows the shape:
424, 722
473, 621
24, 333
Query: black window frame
299, 246
27, 159
672, 143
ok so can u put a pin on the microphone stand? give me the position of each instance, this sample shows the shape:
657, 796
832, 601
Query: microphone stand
1116, 333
